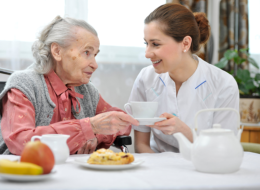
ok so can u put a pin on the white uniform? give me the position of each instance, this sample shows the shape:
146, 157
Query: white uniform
208, 87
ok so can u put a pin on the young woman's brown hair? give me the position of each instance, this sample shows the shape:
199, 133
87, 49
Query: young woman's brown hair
177, 21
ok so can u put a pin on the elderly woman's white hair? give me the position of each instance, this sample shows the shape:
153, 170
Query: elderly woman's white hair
60, 31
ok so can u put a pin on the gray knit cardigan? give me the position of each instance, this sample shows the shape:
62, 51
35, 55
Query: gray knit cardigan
35, 89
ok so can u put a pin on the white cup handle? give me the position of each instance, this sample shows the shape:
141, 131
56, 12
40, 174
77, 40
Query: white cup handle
35, 137
126, 106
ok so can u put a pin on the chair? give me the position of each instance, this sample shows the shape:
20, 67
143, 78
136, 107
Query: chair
120, 141
251, 147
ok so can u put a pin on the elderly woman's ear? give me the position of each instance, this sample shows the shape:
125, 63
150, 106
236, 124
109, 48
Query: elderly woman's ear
56, 51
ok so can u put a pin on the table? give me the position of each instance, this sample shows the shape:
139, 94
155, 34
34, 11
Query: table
159, 171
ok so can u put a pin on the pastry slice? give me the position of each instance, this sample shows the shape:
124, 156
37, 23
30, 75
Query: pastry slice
108, 157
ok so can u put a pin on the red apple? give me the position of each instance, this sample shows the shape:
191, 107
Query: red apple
40, 154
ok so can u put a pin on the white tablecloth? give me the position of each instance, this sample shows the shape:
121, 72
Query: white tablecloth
159, 171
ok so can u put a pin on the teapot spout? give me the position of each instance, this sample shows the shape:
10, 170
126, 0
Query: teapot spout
184, 145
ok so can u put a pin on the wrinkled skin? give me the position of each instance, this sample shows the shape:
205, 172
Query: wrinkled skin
89, 147
111, 122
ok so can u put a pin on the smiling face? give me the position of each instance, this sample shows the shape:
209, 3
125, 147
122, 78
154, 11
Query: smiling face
76, 63
163, 51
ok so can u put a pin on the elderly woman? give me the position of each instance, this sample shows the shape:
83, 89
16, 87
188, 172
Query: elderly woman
54, 95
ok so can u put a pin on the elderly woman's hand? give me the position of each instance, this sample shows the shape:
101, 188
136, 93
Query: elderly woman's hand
172, 125
111, 122
89, 147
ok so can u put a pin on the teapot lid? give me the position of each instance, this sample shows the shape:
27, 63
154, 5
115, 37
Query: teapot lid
216, 129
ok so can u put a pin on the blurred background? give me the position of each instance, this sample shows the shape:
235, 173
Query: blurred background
120, 24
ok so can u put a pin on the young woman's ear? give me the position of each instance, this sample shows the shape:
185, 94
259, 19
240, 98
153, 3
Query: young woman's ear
186, 43
56, 51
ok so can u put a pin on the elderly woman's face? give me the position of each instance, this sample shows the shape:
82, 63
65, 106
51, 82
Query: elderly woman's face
77, 62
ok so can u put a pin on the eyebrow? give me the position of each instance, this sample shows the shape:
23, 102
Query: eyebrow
91, 48
151, 40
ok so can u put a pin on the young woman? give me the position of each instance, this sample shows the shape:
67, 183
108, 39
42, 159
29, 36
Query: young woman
179, 81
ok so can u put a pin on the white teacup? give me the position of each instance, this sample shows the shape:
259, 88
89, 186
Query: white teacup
58, 145
141, 109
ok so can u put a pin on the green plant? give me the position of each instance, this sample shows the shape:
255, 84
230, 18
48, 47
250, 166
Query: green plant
247, 84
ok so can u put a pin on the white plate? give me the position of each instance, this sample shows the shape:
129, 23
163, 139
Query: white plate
149, 121
13, 177
83, 162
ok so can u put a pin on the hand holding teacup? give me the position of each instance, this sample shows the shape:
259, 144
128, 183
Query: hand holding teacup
144, 112
172, 125
111, 122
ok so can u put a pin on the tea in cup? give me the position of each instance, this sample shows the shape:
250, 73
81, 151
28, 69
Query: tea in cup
58, 145
141, 109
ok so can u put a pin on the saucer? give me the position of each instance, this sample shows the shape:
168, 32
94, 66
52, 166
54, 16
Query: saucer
149, 121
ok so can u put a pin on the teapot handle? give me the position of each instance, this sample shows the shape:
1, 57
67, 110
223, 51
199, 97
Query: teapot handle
218, 109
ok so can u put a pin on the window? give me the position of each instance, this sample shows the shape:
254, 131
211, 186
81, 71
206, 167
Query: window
119, 25
21, 22
254, 31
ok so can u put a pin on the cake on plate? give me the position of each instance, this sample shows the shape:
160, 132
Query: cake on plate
108, 157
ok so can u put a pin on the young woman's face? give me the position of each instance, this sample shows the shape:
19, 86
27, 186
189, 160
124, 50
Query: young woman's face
163, 51
78, 60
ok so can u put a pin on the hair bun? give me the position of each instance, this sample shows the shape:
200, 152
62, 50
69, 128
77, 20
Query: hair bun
203, 25
40, 53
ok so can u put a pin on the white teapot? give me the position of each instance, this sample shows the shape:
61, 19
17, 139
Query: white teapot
58, 145
215, 150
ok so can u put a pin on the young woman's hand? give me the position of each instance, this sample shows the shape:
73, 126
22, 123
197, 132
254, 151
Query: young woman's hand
172, 125
109, 123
